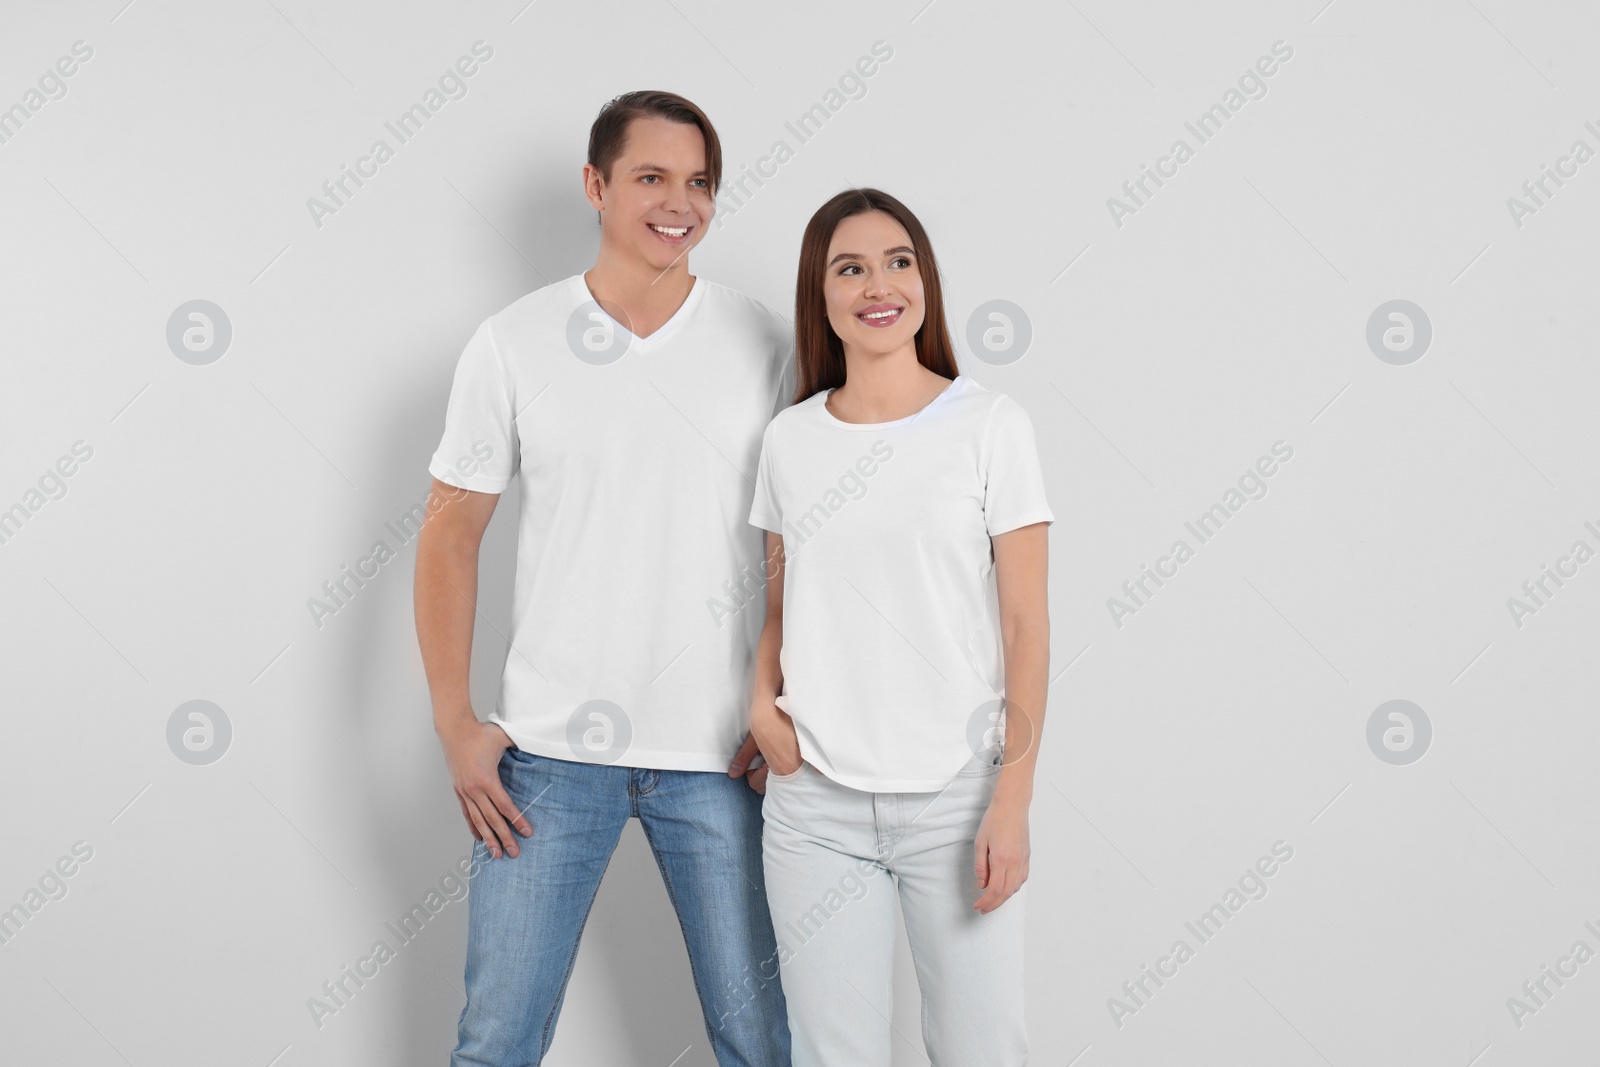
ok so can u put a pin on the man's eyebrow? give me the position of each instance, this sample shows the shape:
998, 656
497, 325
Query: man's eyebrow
664, 170
858, 255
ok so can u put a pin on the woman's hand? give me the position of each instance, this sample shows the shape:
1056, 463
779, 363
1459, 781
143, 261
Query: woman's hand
1001, 852
772, 735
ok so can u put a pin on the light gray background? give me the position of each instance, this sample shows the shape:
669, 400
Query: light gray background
1168, 354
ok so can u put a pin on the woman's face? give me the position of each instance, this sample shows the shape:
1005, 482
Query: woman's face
872, 284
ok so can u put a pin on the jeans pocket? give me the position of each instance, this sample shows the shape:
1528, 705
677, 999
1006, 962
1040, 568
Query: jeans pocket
519, 772
983, 764
774, 776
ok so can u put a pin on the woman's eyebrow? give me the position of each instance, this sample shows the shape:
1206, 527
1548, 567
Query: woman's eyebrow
857, 255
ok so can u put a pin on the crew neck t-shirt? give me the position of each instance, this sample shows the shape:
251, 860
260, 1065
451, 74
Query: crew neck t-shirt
892, 658
630, 641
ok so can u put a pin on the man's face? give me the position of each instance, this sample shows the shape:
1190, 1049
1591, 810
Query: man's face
658, 201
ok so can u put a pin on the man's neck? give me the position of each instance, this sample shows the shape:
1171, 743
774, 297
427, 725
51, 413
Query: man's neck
640, 288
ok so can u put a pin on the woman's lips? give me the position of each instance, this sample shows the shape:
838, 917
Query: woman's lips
878, 318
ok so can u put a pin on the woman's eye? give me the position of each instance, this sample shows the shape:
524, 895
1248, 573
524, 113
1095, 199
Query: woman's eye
902, 260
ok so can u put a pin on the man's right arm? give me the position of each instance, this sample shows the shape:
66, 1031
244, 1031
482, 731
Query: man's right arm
446, 597
447, 594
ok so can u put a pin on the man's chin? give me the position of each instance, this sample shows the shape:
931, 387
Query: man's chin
665, 258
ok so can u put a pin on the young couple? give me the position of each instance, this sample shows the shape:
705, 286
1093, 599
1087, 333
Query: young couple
807, 729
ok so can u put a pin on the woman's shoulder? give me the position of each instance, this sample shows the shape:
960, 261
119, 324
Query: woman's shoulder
798, 414
991, 413
978, 400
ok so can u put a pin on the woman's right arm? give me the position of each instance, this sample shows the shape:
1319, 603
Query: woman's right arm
771, 727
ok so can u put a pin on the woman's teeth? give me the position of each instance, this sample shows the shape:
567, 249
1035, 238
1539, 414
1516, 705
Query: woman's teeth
669, 231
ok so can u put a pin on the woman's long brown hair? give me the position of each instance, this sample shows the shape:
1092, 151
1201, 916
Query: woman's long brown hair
818, 352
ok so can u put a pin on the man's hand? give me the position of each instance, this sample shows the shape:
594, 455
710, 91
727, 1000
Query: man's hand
755, 777
472, 751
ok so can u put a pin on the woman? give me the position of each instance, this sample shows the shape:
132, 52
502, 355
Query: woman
907, 555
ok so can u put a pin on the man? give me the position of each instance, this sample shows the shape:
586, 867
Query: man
629, 401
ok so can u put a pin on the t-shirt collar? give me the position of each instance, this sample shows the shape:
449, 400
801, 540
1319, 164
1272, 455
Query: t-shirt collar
582, 295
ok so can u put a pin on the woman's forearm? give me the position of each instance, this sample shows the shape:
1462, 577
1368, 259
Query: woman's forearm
1027, 665
769, 674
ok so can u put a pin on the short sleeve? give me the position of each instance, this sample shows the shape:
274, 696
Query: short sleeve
479, 449
764, 511
1013, 491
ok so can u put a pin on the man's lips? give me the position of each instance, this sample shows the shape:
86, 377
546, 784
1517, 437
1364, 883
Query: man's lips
671, 234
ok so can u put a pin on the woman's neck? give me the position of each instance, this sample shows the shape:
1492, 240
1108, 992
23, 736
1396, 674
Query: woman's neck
884, 387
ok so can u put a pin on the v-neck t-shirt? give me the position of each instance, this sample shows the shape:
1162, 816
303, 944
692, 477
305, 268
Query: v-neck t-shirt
892, 658
632, 638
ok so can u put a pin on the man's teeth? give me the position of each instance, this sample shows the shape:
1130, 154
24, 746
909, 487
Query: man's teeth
880, 314
670, 231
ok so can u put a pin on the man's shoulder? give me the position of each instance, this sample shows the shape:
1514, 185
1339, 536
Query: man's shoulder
532, 314
543, 303
737, 303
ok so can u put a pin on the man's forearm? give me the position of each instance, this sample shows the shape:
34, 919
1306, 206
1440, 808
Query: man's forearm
446, 600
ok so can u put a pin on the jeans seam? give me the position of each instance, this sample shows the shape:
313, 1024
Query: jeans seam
550, 1020
672, 895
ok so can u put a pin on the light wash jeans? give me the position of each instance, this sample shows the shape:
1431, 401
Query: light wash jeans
526, 914
835, 857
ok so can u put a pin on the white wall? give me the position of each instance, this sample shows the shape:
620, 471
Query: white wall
1168, 353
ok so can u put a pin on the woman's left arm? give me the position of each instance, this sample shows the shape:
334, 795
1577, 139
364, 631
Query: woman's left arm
1021, 559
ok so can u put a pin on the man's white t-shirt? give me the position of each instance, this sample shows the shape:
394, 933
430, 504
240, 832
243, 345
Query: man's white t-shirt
634, 627
892, 657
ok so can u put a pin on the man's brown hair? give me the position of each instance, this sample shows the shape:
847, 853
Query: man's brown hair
610, 130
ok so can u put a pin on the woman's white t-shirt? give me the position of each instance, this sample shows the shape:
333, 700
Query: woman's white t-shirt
892, 658
632, 635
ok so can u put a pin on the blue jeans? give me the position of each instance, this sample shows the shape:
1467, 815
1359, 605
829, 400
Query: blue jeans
526, 913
